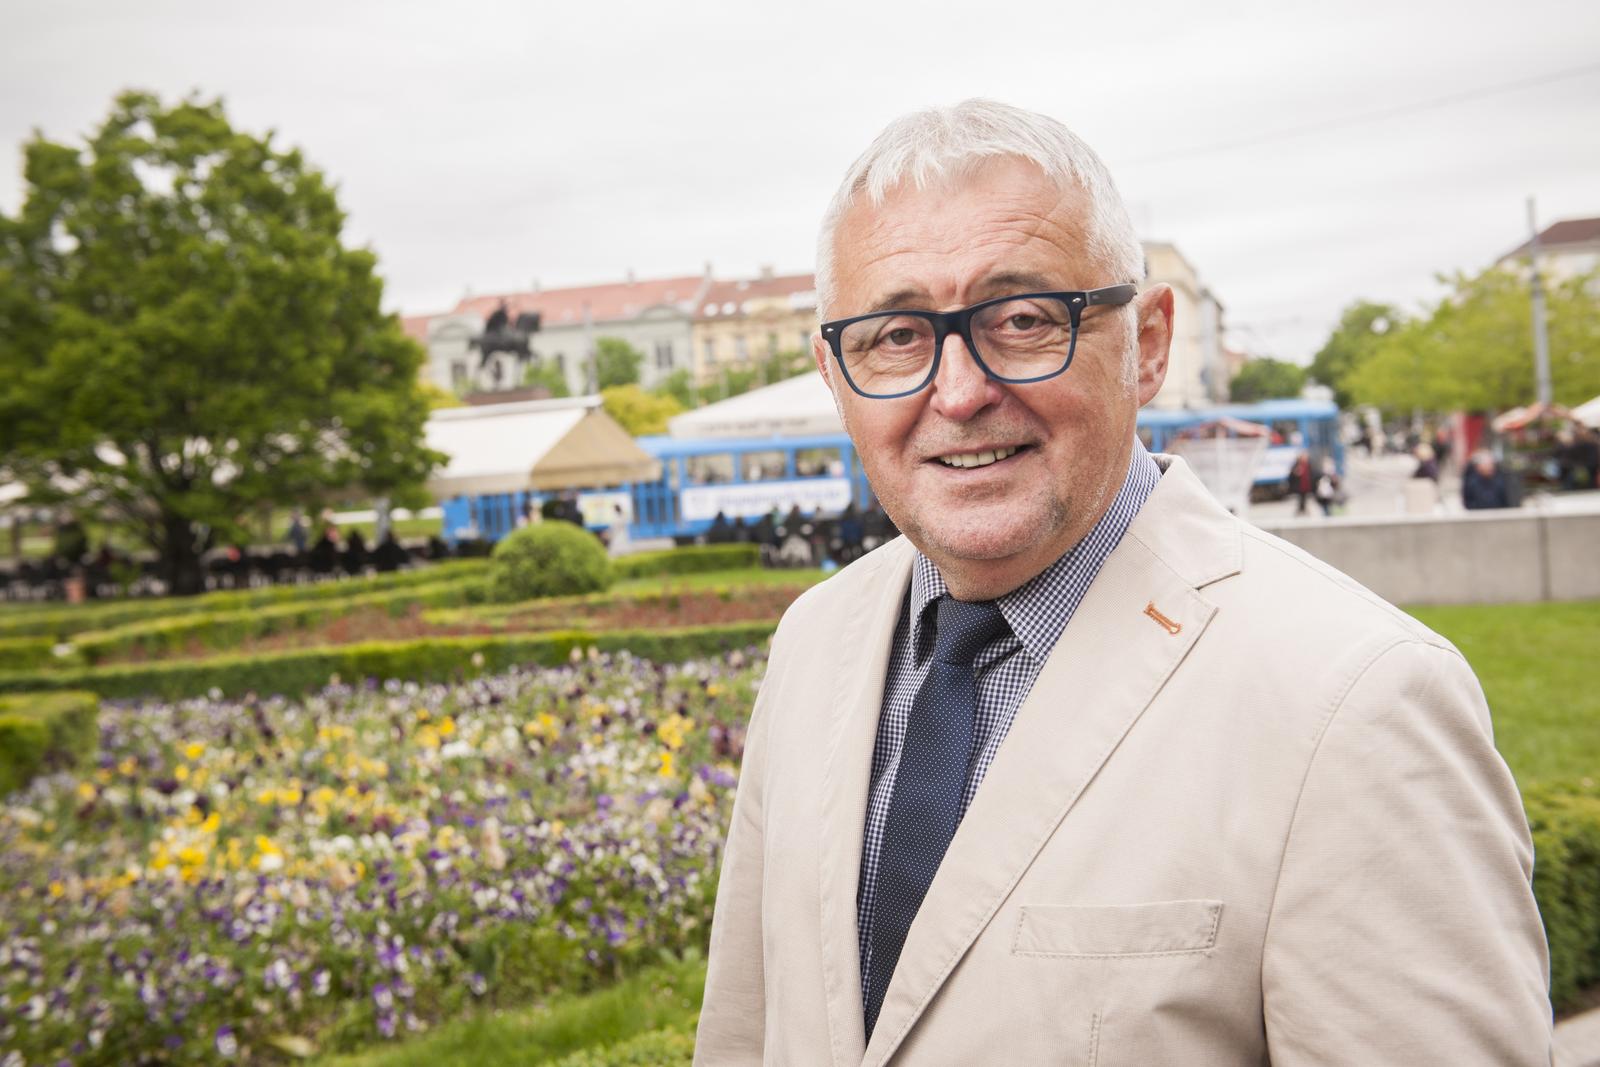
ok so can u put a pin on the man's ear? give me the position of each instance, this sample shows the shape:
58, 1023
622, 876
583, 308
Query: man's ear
820, 352
1153, 316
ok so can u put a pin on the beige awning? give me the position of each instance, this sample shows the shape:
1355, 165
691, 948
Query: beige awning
536, 444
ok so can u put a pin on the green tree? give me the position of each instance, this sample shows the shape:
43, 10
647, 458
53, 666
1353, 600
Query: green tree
547, 376
1361, 329
616, 362
1266, 379
185, 339
678, 386
1474, 349
637, 411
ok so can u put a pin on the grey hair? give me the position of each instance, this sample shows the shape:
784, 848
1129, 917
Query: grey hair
949, 143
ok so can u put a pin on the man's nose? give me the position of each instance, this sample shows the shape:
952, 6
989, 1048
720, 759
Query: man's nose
961, 389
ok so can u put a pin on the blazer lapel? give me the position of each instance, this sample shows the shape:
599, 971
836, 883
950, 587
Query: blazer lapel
864, 645
1138, 620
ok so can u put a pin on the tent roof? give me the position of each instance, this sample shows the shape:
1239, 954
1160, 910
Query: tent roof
535, 444
799, 405
1588, 413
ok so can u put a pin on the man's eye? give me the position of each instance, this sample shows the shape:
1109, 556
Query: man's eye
1023, 322
905, 335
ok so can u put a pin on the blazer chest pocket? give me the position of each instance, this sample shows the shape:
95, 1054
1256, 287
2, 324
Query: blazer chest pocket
1117, 931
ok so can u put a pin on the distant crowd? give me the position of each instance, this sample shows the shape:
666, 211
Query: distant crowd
796, 540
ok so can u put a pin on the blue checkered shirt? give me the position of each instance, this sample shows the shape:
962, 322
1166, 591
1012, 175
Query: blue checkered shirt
1037, 612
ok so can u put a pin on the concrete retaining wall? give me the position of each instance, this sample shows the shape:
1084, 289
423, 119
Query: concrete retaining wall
1473, 558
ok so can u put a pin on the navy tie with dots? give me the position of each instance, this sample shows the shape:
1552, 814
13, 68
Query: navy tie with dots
926, 803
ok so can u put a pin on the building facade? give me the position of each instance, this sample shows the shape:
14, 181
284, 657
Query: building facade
1197, 372
739, 324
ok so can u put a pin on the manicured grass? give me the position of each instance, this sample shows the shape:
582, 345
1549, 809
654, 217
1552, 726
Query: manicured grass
1536, 663
665, 997
668, 583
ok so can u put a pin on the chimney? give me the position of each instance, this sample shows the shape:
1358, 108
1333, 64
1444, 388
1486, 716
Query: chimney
766, 272
630, 276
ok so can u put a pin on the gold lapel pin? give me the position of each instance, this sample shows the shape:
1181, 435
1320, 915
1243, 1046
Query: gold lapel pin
1166, 623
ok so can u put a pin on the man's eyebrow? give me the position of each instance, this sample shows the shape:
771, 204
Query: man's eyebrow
1001, 284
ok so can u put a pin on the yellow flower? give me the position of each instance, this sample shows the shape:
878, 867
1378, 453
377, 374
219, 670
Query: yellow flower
266, 796
672, 731
194, 750
57, 890
213, 821
447, 726
128, 767
181, 772
290, 796
422, 715
190, 856
87, 791
666, 765
713, 689
428, 737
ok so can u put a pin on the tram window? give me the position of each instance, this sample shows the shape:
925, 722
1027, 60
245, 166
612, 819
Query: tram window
1287, 432
709, 470
762, 466
817, 462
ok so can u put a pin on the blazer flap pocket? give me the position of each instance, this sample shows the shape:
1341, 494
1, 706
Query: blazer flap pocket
1162, 928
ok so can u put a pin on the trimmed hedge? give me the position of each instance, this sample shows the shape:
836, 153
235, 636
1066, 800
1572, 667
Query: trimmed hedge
45, 731
424, 660
693, 559
1565, 820
27, 653
658, 1048
58, 621
546, 560
224, 630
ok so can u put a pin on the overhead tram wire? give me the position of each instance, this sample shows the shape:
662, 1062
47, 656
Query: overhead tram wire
1370, 116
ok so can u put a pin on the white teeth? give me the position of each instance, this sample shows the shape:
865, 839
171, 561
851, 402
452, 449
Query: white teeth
977, 459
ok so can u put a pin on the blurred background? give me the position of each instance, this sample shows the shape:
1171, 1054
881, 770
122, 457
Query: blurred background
384, 387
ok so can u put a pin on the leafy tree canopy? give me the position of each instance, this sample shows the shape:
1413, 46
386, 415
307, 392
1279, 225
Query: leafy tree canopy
1474, 350
637, 411
616, 362
1266, 379
1361, 327
678, 386
547, 375
184, 337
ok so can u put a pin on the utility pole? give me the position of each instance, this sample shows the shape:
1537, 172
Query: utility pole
1541, 336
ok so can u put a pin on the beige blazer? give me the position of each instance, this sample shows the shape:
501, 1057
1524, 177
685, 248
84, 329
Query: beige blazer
1249, 814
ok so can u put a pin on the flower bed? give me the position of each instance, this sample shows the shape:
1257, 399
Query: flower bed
233, 878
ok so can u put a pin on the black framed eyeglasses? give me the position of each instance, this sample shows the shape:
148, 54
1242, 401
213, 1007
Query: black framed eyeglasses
1029, 337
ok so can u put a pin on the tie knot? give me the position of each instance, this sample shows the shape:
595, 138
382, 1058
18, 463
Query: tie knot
964, 628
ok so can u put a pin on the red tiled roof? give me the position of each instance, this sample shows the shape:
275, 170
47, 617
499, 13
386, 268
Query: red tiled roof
1565, 232
722, 294
606, 303
416, 327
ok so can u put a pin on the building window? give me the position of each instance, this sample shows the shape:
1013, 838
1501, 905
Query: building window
772, 344
663, 355
742, 345
711, 350
458, 375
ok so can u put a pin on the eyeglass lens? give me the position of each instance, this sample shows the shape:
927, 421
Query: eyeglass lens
1027, 337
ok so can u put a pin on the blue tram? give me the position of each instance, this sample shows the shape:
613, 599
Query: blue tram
821, 474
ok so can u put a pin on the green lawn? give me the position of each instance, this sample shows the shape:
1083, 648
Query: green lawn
1537, 665
665, 997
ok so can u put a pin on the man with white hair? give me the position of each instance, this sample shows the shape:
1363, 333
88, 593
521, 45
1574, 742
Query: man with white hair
1083, 770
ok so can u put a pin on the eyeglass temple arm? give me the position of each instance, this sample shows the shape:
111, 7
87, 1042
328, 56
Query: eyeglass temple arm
1111, 294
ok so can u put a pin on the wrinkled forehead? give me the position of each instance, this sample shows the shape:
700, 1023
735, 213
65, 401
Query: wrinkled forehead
946, 235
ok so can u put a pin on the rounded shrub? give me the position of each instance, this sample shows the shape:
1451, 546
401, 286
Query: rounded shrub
548, 559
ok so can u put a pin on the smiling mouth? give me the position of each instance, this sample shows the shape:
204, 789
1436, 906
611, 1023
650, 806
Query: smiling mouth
968, 460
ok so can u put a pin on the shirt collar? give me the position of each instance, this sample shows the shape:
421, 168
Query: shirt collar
1038, 610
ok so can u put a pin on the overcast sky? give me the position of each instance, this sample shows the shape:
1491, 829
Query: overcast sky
480, 146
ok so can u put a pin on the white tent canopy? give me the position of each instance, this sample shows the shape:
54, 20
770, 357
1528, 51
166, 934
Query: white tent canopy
793, 407
533, 444
1588, 413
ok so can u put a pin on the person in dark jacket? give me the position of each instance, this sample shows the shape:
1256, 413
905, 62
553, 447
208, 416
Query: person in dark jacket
1483, 486
1302, 481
